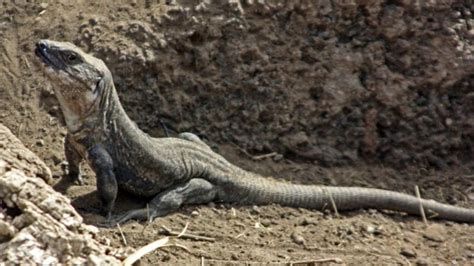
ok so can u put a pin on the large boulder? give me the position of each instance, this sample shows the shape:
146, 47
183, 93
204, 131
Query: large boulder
37, 224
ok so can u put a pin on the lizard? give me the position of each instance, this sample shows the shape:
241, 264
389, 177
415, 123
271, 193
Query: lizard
174, 171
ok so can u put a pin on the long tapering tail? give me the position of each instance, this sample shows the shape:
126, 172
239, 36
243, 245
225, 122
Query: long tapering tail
257, 190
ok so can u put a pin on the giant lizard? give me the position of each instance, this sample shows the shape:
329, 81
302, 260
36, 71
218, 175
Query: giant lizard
178, 170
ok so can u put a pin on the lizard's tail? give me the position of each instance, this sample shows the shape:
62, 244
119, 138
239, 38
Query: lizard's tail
257, 190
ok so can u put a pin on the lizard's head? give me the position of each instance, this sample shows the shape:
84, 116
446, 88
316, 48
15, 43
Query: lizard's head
78, 78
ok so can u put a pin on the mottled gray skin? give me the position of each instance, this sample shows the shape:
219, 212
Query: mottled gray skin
184, 170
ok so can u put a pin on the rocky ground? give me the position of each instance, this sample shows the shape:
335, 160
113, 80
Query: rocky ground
367, 93
37, 224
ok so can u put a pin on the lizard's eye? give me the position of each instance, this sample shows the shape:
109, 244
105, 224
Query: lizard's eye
71, 57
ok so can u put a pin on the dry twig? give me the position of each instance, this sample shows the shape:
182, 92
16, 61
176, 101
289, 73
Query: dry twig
263, 156
169, 232
145, 250
313, 262
420, 200
333, 203
179, 246
121, 234
184, 230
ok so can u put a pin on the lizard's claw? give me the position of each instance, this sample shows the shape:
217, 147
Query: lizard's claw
76, 178
79, 180
111, 221
123, 218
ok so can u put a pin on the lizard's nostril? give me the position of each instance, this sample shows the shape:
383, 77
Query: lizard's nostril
41, 45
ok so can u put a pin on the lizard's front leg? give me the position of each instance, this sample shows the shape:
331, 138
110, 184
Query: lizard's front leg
74, 160
103, 166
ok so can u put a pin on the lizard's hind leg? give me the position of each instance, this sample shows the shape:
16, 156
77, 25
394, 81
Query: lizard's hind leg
192, 137
195, 191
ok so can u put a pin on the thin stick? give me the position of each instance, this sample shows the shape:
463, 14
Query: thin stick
333, 203
123, 236
168, 232
179, 246
202, 261
242, 150
420, 200
263, 156
241, 234
239, 262
335, 260
148, 222
27, 62
145, 250
184, 230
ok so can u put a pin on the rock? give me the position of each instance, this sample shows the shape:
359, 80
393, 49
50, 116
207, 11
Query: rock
408, 251
43, 6
297, 238
7, 231
40, 142
278, 157
470, 196
255, 209
435, 232
265, 222
45, 229
232, 213
370, 229
15, 155
293, 141
194, 213
423, 262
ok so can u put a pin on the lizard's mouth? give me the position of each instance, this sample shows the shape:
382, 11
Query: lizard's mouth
42, 51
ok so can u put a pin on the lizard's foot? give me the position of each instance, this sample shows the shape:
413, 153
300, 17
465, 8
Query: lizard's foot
112, 221
76, 178
195, 191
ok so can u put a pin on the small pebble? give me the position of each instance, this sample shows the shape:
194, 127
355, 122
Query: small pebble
408, 251
370, 229
231, 214
305, 222
44, 5
194, 213
265, 222
283, 256
448, 122
470, 196
435, 232
297, 238
278, 157
93, 21
422, 262
255, 209
40, 142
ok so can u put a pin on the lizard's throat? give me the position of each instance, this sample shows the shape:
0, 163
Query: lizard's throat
77, 111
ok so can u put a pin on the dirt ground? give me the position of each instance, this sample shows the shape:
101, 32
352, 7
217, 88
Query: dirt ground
365, 93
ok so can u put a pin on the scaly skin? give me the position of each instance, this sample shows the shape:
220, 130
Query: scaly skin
184, 170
